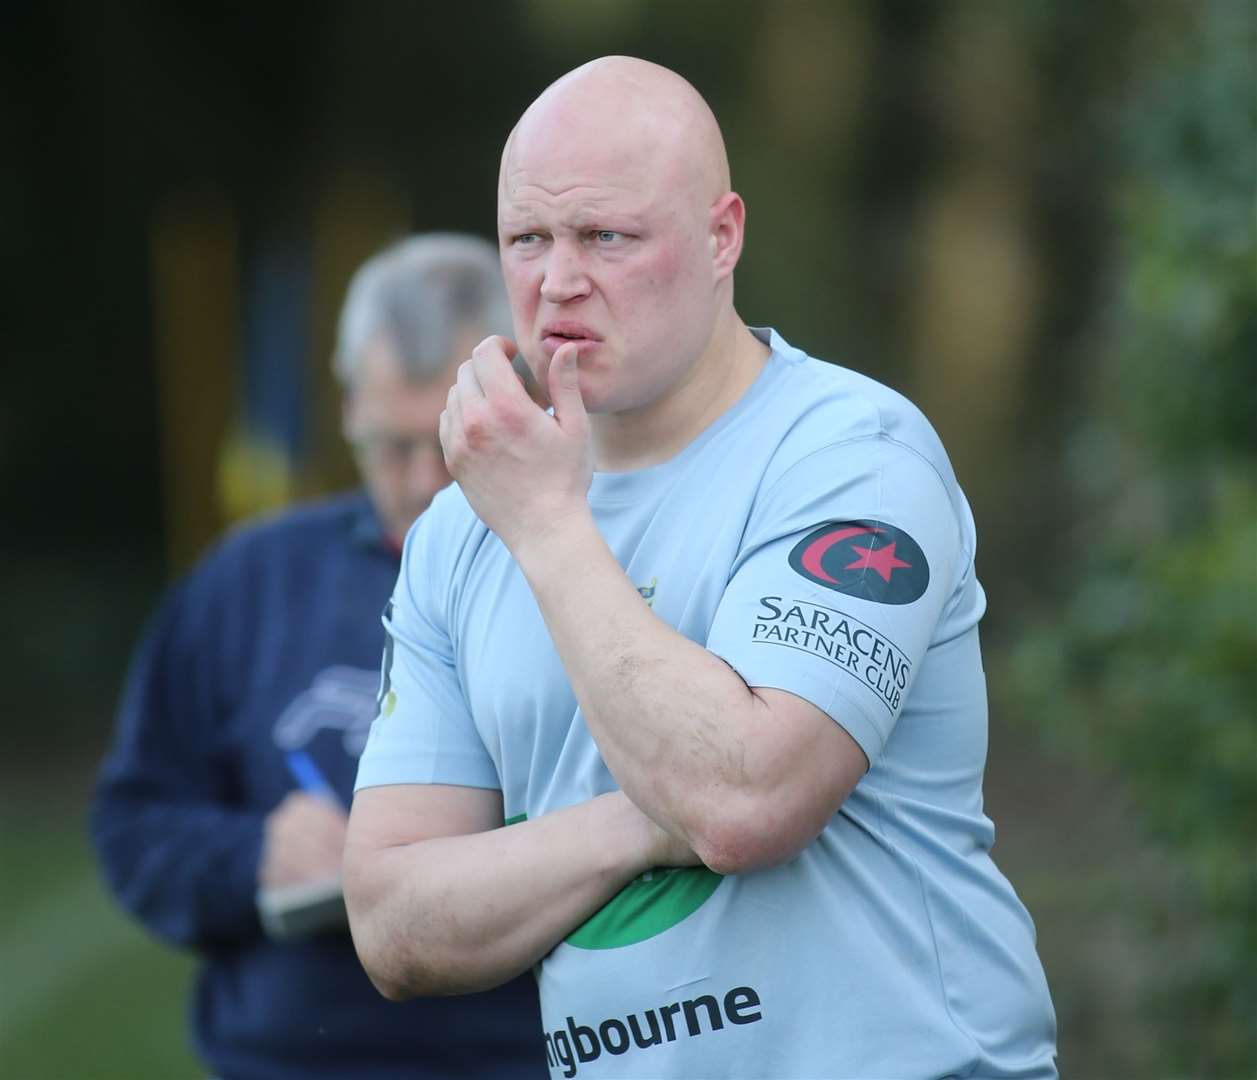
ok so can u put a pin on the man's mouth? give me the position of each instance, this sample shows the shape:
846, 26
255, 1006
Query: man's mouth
554, 337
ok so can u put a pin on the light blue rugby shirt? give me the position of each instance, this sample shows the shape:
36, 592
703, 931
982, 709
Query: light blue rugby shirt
815, 538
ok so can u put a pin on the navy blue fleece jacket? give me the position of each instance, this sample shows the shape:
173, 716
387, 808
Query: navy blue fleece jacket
273, 644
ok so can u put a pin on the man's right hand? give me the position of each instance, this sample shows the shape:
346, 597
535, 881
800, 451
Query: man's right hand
522, 471
665, 849
304, 841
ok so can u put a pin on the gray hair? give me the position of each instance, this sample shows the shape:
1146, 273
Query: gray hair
420, 294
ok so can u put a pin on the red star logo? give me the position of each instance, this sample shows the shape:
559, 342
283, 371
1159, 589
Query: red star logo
882, 559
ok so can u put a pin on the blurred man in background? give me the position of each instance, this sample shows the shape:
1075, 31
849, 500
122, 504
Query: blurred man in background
220, 813
707, 637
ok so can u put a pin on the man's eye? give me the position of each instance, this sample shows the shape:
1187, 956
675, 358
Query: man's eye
527, 238
606, 236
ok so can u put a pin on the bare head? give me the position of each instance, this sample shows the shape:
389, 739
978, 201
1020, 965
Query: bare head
618, 229
620, 111
413, 312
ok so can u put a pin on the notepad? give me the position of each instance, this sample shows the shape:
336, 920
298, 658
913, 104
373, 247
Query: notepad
294, 912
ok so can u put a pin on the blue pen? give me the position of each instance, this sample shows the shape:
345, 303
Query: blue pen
309, 776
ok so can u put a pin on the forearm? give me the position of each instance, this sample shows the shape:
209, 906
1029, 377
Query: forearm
188, 872
456, 914
674, 723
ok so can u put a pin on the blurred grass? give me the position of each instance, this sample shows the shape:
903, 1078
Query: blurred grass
85, 994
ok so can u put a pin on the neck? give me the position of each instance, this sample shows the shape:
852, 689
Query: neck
643, 437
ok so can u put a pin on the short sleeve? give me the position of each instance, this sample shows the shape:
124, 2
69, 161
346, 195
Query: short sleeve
423, 732
845, 568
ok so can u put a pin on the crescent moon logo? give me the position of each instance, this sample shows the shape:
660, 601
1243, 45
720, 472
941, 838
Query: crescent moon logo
815, 551
870, 560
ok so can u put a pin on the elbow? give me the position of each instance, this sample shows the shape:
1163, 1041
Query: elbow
736, 853
384, 976
389, 988
404, 948
381, 955
743, 835
403, 961
398, 980
396, 976
397, 986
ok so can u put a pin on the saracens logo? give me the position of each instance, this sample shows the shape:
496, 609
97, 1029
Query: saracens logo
865, 559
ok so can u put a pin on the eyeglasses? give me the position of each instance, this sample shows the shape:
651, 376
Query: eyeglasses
393, 451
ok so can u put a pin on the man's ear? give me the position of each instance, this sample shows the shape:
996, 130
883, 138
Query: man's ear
728, 226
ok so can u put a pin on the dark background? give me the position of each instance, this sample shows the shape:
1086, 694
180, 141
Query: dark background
1035, 218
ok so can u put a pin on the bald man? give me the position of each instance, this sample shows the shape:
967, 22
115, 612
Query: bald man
683, 705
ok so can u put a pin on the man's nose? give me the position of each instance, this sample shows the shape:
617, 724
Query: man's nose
565, 276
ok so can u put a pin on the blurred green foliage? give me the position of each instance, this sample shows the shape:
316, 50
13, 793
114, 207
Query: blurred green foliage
1146, 663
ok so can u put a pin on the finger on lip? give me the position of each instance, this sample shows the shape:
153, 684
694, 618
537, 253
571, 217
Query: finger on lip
552, 343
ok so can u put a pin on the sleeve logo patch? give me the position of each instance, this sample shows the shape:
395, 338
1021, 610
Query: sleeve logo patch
856, 648
865, 559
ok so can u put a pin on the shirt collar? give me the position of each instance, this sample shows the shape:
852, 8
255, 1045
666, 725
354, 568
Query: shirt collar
367, 530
